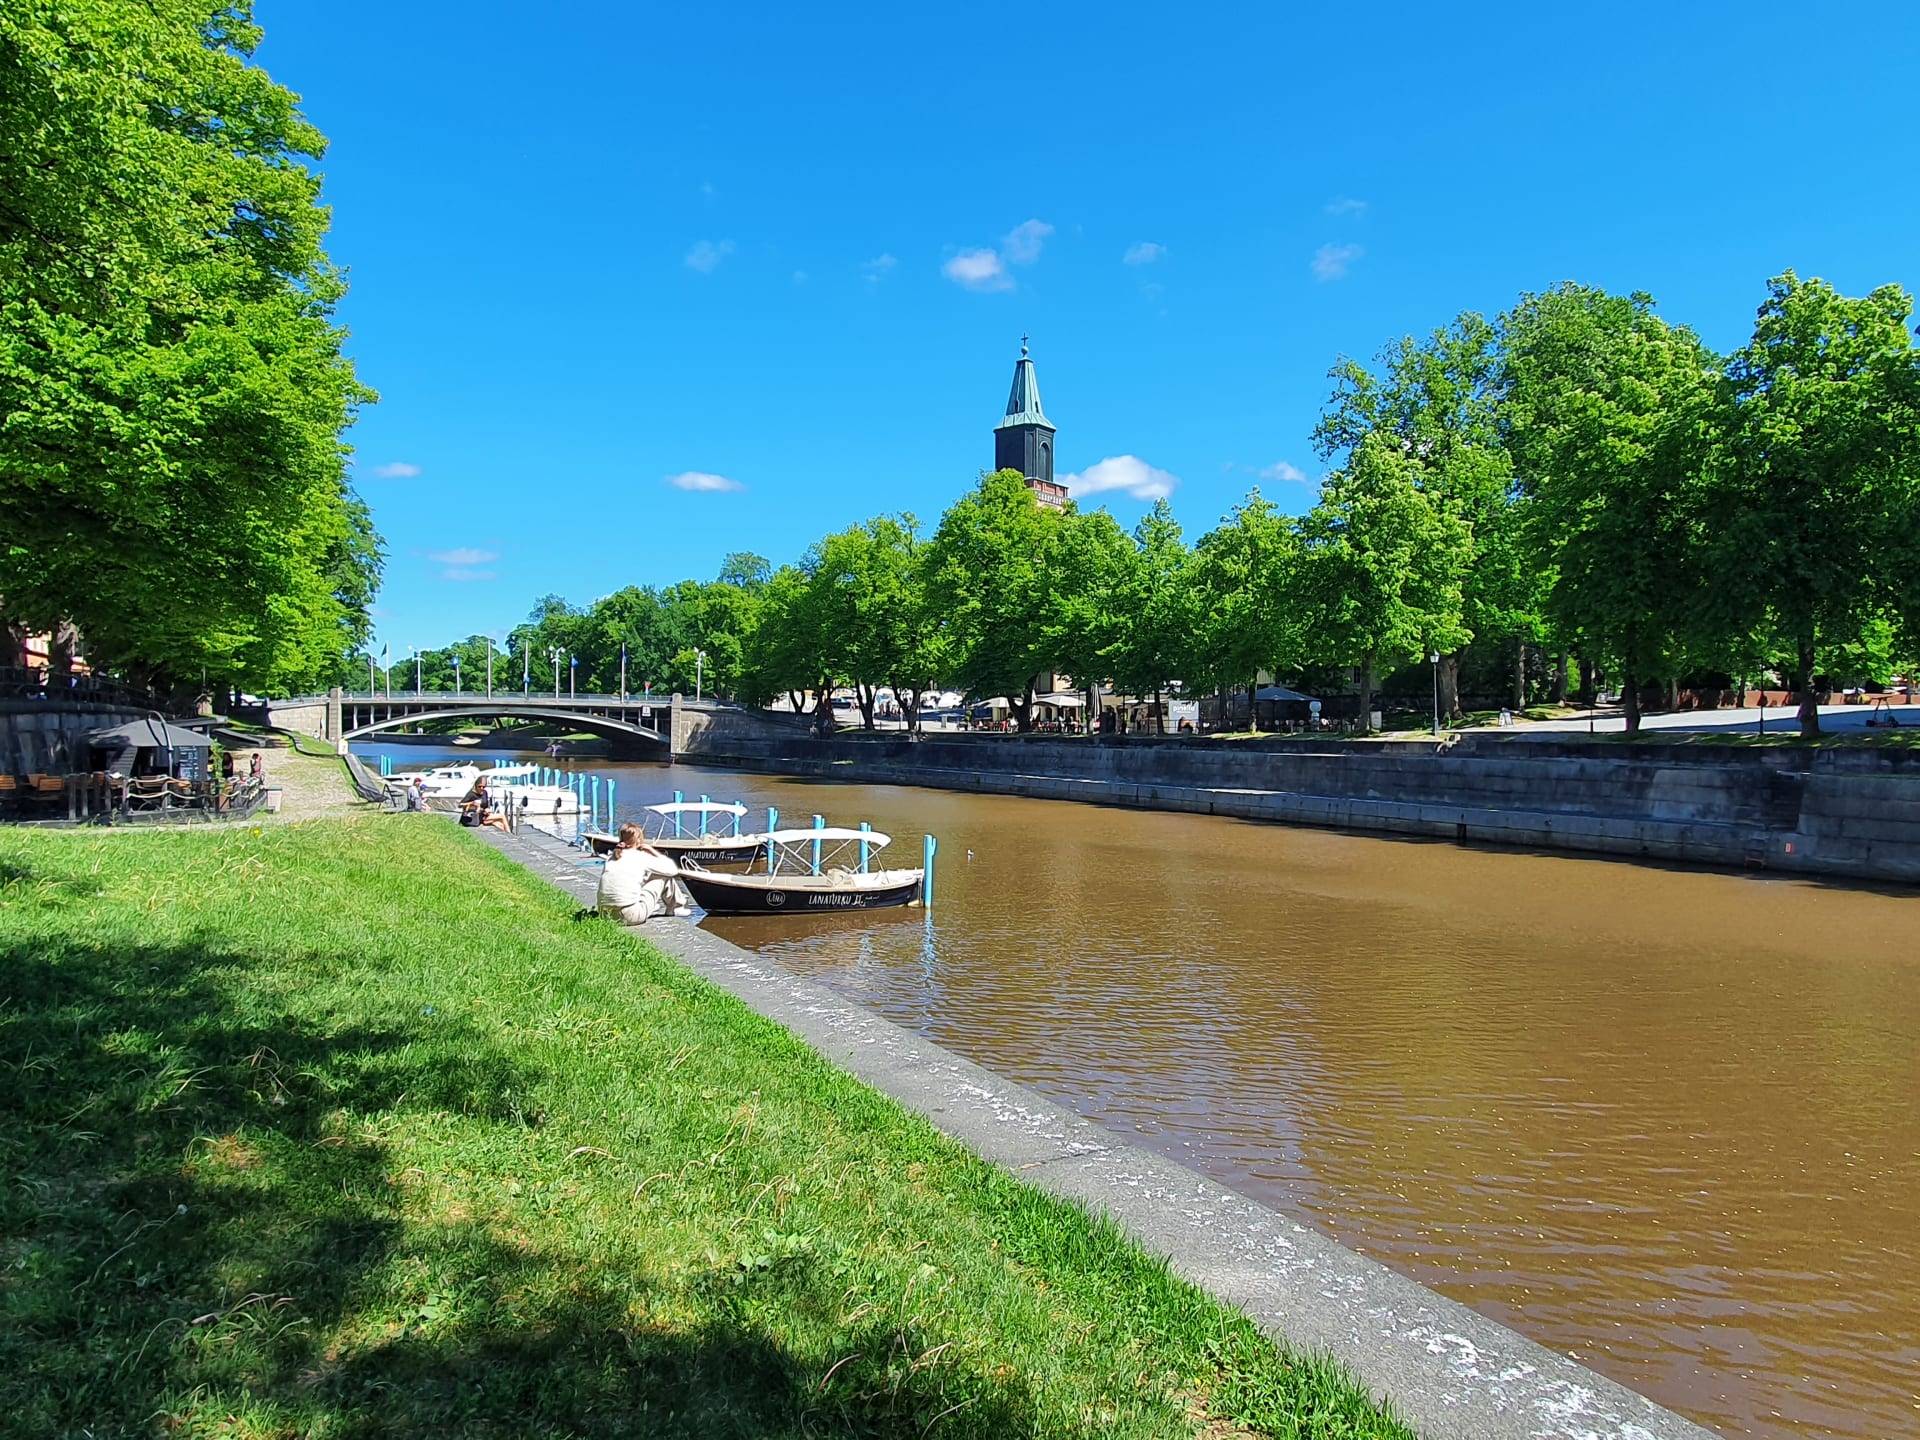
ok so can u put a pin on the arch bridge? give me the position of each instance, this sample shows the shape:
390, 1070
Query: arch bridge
635, 722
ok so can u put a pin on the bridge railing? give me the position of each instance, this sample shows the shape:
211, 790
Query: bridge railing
535, 697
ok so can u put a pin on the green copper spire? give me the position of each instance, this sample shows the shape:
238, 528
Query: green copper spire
1023, 401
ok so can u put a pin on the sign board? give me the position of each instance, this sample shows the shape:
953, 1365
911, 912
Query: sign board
1178, 710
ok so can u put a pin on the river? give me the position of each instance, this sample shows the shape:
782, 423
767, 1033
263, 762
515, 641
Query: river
1664, 1121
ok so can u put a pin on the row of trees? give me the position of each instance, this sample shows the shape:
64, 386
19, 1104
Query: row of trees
1577, 478
172, 478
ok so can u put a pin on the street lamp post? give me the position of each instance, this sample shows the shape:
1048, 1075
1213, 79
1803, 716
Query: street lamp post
418, 687
456, 677
1435, 658
573, 669
554, 651
699, 671
371, 687
489, 667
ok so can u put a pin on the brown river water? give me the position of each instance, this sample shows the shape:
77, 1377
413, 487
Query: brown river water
1664, 1121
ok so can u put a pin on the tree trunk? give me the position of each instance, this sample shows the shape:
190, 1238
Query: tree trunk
1630, 700
823, 710
1803, 682
1159, 725
909, 699
1450, 687
1253, 705
1560, 678
865, 693
1520, 680
1366, 694
1023, 710
1673, 693
798, 700
1586, 695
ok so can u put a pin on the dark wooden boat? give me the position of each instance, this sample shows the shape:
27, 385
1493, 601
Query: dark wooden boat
806, 872
689, 831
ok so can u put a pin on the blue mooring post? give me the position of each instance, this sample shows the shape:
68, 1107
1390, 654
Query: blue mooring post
594, 819
863, 848
926, 865
678, 798
819, 823
704, 800
610, 817
773, 824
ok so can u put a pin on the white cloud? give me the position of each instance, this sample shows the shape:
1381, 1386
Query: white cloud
878, 268
461, 572
978, 270
1342, 205
1024, 241
1283, 471
701, 480
1330, 262
1122, 472
396, 470
707, 255
464, 556
1145, 253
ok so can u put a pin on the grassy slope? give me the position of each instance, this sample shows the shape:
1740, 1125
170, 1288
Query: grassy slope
352, 1128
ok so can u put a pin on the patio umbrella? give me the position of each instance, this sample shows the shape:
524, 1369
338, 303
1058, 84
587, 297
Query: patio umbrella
152, 733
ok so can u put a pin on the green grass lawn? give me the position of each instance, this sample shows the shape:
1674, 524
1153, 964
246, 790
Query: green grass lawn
351, 1128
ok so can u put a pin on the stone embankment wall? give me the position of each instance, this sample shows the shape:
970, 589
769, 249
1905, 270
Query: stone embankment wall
1841, 812
49, 736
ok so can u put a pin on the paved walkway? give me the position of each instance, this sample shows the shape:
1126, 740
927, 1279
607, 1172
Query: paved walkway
310, 786
1453, 1373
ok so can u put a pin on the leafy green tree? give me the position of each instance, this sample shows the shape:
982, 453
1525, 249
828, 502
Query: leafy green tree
1437, 402
1248, 601
1155, 643
864, 607
988, 578
1382, 567
1613, 416
172, 475
1825, 449
1087, 571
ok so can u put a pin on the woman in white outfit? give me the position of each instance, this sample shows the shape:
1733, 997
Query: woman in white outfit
634, 886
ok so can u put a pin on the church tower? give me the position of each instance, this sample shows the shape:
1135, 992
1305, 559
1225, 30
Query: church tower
1023, 440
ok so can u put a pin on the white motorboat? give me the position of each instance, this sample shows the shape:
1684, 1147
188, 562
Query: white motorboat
508, 783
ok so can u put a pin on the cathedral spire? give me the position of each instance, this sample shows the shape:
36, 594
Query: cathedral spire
1023, 401
1023, 440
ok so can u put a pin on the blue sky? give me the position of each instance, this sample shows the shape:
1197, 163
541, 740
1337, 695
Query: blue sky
795, 248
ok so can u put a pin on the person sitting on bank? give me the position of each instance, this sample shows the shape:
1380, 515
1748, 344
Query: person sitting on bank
635, 885
476, 805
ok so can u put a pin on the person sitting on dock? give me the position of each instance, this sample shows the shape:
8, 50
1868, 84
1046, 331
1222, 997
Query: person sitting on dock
634, 886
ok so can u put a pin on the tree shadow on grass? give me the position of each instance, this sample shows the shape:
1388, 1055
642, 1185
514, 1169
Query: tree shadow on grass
606, 1361
176, 1159
200, 1208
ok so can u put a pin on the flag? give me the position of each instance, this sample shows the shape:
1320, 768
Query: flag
573, 662
383, 655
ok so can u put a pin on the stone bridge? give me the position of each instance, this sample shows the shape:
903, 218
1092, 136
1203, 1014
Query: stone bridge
648, 725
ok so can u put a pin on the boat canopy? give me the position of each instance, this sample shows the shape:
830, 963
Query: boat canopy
691, 807
827, 832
